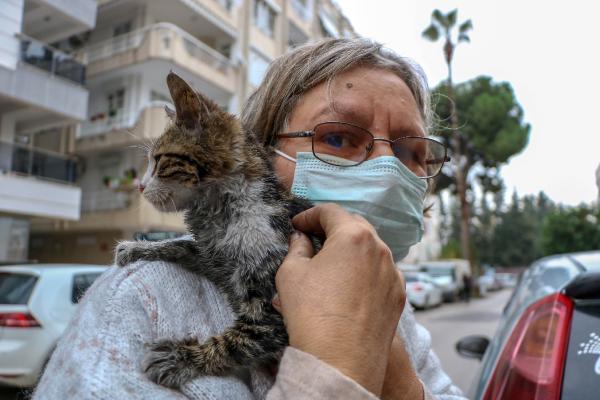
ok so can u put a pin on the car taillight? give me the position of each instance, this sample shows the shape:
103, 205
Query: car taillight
18, 320
416, 287
531, 364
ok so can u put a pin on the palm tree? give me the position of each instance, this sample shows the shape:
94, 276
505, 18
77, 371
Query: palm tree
442, 25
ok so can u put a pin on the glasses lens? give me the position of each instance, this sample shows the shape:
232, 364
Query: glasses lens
341, 144
423, 156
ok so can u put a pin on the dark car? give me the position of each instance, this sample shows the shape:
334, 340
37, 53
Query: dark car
547, 345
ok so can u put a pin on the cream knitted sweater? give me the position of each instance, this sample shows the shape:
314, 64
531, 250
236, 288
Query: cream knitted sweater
100, 353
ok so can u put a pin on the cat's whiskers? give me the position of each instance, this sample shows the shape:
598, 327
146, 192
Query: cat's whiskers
145, 144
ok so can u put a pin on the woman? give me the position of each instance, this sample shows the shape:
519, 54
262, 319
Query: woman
341, 306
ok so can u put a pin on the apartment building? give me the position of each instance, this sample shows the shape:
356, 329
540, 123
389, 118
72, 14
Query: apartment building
222, 47
43, 98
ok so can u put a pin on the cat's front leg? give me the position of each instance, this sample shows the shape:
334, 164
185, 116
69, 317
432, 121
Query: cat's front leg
183, 252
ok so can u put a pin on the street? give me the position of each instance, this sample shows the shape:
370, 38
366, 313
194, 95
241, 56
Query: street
451, 322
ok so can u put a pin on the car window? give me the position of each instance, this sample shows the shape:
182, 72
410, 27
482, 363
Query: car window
590, 261
16, 288
410, 278
555, 273
81, 283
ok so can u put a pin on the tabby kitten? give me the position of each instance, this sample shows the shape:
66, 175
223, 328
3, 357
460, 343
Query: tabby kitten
240, 219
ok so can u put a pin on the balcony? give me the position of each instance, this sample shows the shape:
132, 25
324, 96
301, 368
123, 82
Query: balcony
126, 130
37, 182
22, 160
301, 9
104, 200
163, 41
51, 60
300, 17
44, 79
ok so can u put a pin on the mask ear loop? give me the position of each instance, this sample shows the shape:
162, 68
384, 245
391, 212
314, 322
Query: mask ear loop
282, 154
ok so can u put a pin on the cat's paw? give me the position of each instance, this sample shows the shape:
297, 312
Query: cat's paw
127, 252
171, 363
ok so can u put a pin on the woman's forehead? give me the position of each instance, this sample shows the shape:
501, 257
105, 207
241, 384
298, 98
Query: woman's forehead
361, 95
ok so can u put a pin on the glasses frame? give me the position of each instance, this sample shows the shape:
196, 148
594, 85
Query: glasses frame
312, 133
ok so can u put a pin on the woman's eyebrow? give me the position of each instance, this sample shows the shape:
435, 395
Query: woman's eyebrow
326, 110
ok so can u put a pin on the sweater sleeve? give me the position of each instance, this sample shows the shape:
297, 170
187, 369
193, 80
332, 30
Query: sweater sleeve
302, 376
437, 384
100, 353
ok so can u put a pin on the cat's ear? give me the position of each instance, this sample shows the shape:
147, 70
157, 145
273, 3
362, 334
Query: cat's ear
170, 113
190, 109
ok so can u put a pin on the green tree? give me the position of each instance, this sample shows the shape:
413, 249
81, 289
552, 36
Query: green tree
567, 230
442, 26
514, 239
491, 131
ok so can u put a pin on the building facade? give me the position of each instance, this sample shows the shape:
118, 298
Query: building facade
43, 98
222, 47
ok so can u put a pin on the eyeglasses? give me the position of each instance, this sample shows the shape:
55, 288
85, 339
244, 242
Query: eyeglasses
350, 145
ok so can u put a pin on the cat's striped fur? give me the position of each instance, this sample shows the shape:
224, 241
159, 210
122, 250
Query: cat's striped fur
240, 219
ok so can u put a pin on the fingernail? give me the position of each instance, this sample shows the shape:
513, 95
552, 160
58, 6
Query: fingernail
295, 235
276, 302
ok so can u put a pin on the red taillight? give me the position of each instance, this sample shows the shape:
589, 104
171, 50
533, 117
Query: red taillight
18, 320
531, 364
416, 287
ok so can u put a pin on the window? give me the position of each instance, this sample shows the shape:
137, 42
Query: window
116, 102
122, 28
16, 288
156, 96
81, 283
226, 4
328, 25
257, 69
264, 17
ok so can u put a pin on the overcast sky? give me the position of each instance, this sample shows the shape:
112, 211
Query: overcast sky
547, 50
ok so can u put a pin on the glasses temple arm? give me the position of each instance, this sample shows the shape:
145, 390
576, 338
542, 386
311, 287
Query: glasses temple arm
438, 160
299, 134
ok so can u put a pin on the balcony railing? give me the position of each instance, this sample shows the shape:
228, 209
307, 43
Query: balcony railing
301, 9
104, 200
51, 60
119, 122
167, 34
226, 4
19, 159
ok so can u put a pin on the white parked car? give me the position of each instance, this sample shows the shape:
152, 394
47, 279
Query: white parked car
421, 291
36, 303
449, 275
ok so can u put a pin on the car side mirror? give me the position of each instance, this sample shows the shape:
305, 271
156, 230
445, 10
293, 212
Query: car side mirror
473, 346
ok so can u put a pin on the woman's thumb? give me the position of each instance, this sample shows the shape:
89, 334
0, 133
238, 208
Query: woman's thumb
300, 246
299, 251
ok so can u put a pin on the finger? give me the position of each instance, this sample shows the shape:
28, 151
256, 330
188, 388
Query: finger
301, 249
300, 246
276, 302
321, 220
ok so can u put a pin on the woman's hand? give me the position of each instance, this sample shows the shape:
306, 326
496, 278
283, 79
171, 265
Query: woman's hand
343, 304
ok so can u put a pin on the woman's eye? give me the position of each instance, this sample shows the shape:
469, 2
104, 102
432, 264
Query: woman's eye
335, 140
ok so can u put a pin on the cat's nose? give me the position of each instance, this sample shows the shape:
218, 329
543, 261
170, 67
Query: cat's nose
141, 188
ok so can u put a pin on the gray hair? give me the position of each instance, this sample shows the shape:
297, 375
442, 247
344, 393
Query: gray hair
268, 109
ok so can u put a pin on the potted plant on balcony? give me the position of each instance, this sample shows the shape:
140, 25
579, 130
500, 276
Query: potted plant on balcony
126, 183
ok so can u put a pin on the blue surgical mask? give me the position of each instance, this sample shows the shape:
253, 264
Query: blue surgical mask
382, 190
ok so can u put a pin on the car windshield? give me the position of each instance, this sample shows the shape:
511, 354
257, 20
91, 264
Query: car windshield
410, 278
591, 261
16, 288
438, 271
